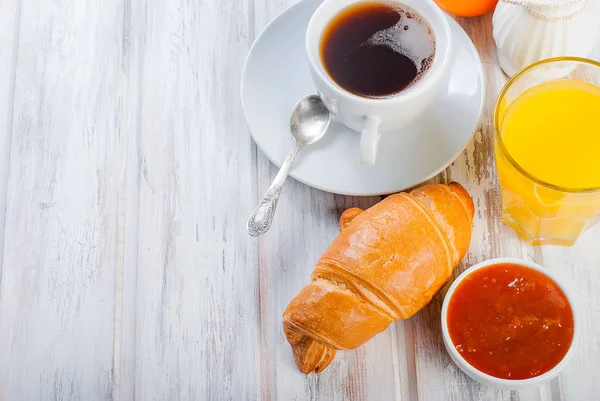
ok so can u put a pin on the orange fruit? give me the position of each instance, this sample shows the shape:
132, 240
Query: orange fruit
467, 8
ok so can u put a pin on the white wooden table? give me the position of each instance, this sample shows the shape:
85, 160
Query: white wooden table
127, 174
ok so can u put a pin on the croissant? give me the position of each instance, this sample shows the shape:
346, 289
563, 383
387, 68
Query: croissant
386, 265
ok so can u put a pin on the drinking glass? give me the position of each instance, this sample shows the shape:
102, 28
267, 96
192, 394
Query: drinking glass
541, 212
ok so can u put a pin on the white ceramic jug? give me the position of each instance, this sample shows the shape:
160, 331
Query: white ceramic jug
527, 31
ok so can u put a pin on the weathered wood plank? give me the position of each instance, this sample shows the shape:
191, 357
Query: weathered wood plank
126, 268
66, 167
197, 331
10, 20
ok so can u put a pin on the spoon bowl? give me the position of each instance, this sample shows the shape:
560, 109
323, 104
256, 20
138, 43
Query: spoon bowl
310, 120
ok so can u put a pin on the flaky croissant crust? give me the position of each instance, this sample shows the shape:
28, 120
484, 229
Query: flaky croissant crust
386, 265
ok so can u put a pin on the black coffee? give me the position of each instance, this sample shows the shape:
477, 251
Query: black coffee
376, 49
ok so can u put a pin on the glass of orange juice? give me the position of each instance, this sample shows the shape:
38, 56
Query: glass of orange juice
547, 148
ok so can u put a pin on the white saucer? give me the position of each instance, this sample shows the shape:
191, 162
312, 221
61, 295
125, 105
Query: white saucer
277, 75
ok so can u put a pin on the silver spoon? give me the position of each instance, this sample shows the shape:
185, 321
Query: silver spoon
308, 124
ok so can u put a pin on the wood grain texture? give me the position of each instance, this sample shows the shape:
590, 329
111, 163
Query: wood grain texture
10, 19
127, 174
197, 323
66, 165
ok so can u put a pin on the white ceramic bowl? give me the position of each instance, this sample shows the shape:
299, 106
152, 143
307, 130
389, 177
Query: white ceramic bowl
492, 381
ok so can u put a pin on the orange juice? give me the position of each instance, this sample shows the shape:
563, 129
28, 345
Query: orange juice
552, 133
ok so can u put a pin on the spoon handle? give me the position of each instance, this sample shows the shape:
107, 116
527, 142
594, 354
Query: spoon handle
262, 217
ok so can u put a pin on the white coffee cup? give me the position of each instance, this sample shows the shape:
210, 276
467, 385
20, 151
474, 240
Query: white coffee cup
375, 117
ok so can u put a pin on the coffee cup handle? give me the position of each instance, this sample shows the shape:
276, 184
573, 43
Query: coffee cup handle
369, 141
